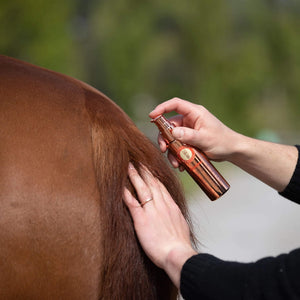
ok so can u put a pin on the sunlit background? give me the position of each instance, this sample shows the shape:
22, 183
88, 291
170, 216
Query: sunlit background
240, 59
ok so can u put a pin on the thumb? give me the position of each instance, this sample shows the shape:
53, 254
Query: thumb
187, 135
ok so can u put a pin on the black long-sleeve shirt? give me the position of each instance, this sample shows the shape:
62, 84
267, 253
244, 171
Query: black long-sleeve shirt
204, 276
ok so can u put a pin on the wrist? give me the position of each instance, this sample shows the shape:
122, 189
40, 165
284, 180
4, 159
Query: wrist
240, 145
175, 260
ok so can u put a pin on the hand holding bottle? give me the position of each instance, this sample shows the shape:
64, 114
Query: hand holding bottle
271, 163
196, 126
193, 160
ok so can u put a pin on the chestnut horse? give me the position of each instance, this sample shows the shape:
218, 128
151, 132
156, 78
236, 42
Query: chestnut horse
64, 230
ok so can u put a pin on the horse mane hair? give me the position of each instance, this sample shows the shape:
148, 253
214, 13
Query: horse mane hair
116, 141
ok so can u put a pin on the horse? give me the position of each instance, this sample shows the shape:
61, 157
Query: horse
65, 232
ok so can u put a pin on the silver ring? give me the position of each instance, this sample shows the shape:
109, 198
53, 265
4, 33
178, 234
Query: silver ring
146, 201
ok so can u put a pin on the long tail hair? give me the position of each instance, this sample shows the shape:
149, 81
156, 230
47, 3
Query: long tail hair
126, 271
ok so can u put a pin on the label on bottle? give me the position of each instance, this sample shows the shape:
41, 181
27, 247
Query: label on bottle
186, 154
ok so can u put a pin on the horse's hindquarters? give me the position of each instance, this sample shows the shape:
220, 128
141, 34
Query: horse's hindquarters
51, 256
50, 218
65, 232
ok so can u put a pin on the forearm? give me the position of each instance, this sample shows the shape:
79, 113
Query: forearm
271, 163
206, 277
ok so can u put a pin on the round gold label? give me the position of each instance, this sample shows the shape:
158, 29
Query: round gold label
186, 154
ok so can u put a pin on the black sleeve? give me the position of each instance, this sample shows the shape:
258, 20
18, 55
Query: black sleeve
292, 191
206, 277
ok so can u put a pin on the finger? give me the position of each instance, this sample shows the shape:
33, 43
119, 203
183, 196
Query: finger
147, 176
187, 135
174, 162
176, 120
176, 104
162, 143
132, 204
151, 181
166, 195
139, 184
129, 199
181, 168
154, 185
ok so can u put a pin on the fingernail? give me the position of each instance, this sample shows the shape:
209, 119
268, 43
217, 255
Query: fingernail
150, 113
126, 192
130, 166
178, 133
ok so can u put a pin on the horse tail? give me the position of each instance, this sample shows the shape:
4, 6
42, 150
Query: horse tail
126, 272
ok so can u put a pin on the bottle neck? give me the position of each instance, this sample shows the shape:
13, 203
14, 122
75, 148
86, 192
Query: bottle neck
165, 128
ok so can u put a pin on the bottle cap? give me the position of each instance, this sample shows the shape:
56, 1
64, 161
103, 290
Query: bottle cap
165, 128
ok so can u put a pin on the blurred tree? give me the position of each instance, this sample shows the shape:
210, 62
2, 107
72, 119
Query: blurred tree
237, 58
241, 59
40, 32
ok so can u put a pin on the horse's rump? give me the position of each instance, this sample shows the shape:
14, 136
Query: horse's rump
64, 230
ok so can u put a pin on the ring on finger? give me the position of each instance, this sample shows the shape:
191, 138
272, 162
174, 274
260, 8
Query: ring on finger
146, 201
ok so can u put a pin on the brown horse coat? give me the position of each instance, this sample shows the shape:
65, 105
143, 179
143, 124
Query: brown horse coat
64, 230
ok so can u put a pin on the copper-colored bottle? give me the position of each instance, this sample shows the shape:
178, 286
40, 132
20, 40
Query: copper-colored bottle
194, 161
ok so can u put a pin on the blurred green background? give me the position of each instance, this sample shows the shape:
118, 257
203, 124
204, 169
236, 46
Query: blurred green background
240, 59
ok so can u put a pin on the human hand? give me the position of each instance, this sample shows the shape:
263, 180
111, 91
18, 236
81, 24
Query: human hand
160, 226
196, 126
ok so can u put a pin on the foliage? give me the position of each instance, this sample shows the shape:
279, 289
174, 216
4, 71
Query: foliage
241, 59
